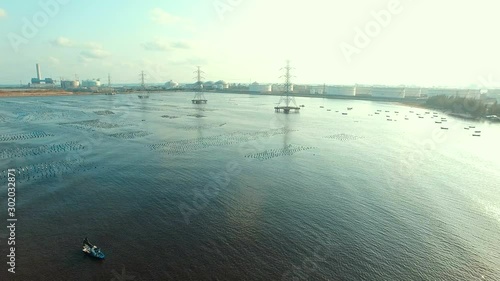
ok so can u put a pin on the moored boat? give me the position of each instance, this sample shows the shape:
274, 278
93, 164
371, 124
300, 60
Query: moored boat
92, 250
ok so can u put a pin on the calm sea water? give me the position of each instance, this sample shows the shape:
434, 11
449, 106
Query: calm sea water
232, 190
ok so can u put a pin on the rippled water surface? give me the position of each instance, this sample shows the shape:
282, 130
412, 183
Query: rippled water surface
232, 190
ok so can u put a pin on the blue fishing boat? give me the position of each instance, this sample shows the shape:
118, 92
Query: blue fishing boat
92, 250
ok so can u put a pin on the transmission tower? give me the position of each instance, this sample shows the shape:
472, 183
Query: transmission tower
109, 80
143, 86
142, 75
199, 97
286, 98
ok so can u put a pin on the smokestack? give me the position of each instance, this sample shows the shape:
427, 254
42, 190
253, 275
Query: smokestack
38, 72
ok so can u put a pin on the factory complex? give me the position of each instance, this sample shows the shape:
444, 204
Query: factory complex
344, 91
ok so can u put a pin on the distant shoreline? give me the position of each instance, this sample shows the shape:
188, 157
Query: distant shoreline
33, 93
52, 92
410, 102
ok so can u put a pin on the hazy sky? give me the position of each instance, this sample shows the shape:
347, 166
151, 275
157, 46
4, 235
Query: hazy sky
453, 43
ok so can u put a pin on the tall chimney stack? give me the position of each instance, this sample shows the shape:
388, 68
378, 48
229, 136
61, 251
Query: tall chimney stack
38, 72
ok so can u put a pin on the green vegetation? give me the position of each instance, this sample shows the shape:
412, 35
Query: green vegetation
476, 108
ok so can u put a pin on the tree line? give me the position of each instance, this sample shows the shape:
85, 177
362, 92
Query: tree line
462, 105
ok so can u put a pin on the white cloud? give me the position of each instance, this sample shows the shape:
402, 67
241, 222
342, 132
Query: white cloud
92, 45
94, 54
163, 45
68, 43
180, 45
162, 17
63, 42
54, 60
89, 50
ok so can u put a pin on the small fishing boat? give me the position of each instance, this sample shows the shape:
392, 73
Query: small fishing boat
444, 128
92, 250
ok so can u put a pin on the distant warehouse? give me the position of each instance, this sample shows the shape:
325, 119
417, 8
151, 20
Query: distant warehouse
388, 92
260, 88
340, 90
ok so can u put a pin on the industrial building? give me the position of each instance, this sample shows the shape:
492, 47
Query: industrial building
209, 85
260, 88
70, 84
39, 82
394, 92
171, 85
388, 92
301, 89
413, 92
362, 90
280, 88
339, 90
91, 83
316, 90
221, 85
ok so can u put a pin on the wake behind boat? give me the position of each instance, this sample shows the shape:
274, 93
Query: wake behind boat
92, 250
